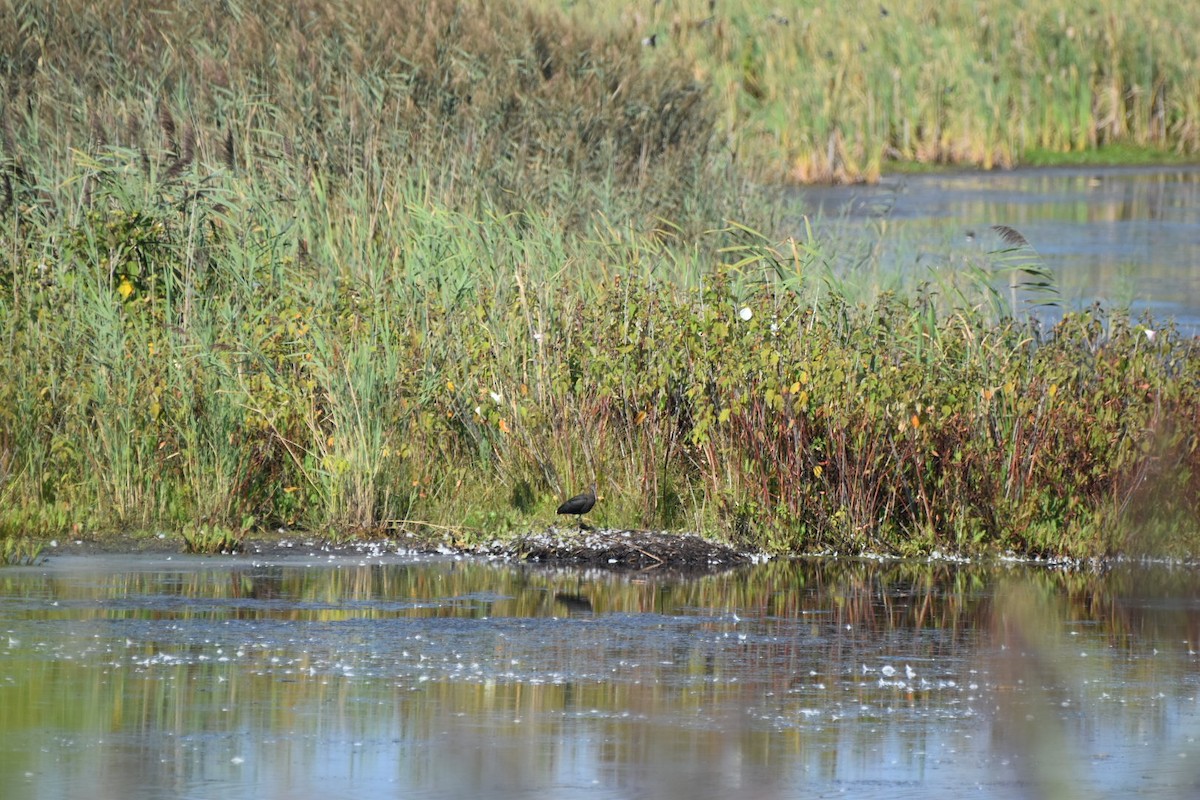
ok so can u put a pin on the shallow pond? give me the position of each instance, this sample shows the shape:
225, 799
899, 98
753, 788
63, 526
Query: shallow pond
322, 677
1121, 236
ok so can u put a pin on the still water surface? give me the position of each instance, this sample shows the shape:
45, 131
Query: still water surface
388, 677
1120, 236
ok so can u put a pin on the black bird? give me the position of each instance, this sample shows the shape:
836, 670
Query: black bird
580, 504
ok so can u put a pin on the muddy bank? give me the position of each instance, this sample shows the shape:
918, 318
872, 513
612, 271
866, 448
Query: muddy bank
605, 548
628, 549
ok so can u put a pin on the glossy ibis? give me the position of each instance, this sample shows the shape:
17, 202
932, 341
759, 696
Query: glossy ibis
580, 504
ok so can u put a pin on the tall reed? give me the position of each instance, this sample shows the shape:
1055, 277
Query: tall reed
827, 90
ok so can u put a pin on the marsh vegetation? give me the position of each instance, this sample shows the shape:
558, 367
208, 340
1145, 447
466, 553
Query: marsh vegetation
434, 267
829, 90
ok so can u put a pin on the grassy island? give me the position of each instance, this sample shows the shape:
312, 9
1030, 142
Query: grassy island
371, 267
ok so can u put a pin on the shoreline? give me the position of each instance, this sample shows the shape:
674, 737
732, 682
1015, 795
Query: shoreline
613, 550
608, 548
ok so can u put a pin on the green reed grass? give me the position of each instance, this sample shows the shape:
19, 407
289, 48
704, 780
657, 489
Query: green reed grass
828, 90
451, 366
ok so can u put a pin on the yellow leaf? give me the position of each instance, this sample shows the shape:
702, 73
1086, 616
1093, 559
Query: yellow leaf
1053, 390
817, 471
795, 387
641, 417
723, 416
450, 386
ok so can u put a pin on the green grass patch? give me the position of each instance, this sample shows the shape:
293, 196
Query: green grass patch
1114, 155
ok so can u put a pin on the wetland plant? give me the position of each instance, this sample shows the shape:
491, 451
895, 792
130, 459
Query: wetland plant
812, 93
214, 539
423, 293
20, 551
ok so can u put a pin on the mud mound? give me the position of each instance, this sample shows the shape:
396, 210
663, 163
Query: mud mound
602, 548
622, 549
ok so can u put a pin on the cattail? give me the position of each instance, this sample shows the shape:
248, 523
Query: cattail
541, 50
167, 123
227, 152
6, 136
98, 134
186, 154
189, 144
6, 193
133, 130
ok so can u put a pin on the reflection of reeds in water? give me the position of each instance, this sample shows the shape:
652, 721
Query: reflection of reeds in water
1031, 691
1046, 714
745, 677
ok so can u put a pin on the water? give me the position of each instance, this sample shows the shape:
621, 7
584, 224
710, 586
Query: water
347, 677
1121, 236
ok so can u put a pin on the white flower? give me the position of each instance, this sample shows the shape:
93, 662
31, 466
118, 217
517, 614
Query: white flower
746, 313
496, 398
1150, 334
